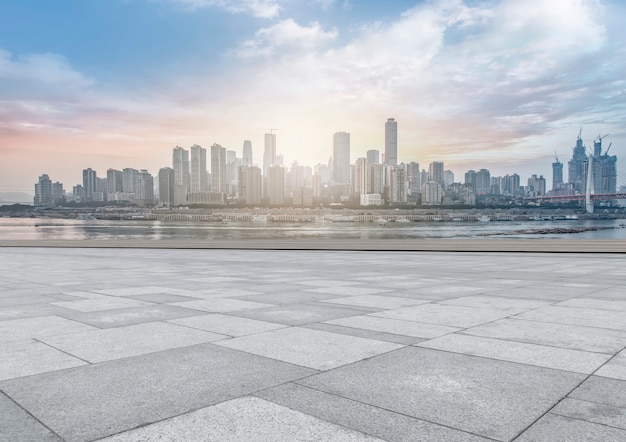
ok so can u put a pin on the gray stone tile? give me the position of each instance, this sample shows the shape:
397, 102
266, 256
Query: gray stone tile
376, 301
592, 412
362, 333
554, 294
16, 425
578, 316
137, 391
27, 328
510, 305
29, 311
349, 290
162, 298
98, 304
617, 292
376, 421
310, 348
133, 291
550, 357
450, 315
394, 326
300, 314
555, 428
288, 297
602, 390
25, 358
222, 292
328, 282
615, 368
244, 419
133, 340
227, 325
129, 316
556, 335
599, 304
482, 396
221, 305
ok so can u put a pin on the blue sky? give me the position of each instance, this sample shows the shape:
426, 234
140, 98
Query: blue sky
499, 84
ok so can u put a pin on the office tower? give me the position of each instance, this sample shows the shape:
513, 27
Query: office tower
397, 184
180, 164
269, 154
537, 185
448, 178
373, 156
435, 172
432, 194
144, 187
58, 194
43, 191
511, 184
115, 181
128, 180
470, 179
199, 179
577, 166
341, 157
557, 175
496, 185
276, 188
361, 177
89, 184
376, 178
391, 142
253, 185
483, 182
604, 169
413, 178
218, 169
247, 159
167, 181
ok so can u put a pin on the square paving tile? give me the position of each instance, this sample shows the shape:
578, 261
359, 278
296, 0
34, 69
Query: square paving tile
482, 396
328, 282
130, 291
98, 304
291, 297
450, 315
592, 412
510, 305
227, 325
163, 298
349, 290
599, 304
394, 326
221, 305
362, 333
563, 429
299, 314
579, 316
115, 343
376, 301
532, 354
26, 328
244, 419
17, 425
137, 391
24, 358
602, 391
310, 348
615, 368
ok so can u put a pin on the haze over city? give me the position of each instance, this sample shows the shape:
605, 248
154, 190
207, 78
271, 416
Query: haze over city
119, 83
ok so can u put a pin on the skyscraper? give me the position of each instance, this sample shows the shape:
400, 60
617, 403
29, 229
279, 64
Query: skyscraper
341, 157
391, 142
166, 186
576, 167
198, 174
557, 175
435, 172
180, 164
247, 153
218, 169
269, 155
361, 177
373, 156
43, 191
276, 180
397, 184
89, 183
413, 178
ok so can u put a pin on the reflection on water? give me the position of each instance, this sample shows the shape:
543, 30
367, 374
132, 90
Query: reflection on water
58, 229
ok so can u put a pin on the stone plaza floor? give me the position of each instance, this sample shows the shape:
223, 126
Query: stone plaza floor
254, 345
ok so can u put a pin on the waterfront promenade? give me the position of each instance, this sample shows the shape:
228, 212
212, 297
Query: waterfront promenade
404, 341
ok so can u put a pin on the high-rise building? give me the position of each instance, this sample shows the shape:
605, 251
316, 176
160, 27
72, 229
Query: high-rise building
604, 169
115, 181
269, 154
373, 156
511, 184
180, 164
218, 169
435, 172
167, 181
276, 190
144, 188
448, 178
432, 194
557, 175
43, 191
397, 184
250, 184
483, 182
413, 178
576, 167
341, 158
391, 142
537, 185
247, 159
89, 184
376, 178
361, 177
199, 179
128, 180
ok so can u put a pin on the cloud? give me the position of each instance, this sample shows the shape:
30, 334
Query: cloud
256, 8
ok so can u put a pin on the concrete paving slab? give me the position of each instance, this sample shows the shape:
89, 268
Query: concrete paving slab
539, 355
129, 316
244, 419
563, 429
130, 291
510, 305
17, 425
327, 282
615, 368
284, 298
376, 301
556, 335
367, 334
221, 305
349, 290
376, 421
227, 325
133, 340
598, 304
554, 295
99, 304
616, 292
25, 358
29, 311
592, 412
300, 314
105, 399
450, 315
482, 396
394, 326
578, 316
27, 328
310, 348
163, 298
602, 391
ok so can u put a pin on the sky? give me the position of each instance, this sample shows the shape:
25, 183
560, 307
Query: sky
496, 84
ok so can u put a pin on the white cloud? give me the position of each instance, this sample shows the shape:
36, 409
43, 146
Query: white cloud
256, 8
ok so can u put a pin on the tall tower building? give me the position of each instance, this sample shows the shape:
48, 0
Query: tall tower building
341, 157
373, 156
391, 142
269, 154
247, 153
198, 174
435, 172
89, 183
397, 184
557, 175
128, 179
576, 167
361, 177
166, 186
43, 191
250, 184
115, 182
413, 178
218, 169
180, 164
276, 189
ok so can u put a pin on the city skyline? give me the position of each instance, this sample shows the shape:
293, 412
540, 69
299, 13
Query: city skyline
497, 85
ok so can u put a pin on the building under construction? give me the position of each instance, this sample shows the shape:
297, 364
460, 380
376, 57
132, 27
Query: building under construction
604, 168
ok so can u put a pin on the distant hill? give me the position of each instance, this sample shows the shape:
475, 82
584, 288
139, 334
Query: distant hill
16, 197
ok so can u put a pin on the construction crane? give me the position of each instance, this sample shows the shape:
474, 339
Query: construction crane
556, 157
271, 130
608, 148
580, 132
601, 137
